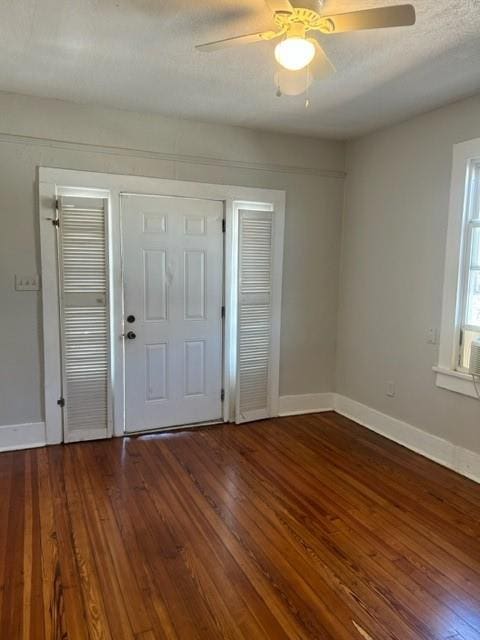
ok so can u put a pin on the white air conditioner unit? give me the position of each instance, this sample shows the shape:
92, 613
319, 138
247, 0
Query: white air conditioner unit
474, 368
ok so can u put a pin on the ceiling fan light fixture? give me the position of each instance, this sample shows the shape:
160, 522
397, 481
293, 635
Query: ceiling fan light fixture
294, 53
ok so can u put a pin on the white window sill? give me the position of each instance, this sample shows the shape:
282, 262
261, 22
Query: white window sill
455, 381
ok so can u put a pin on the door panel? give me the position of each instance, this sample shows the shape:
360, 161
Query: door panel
156, 373
194, 285
173, 280
155, 284
194, 367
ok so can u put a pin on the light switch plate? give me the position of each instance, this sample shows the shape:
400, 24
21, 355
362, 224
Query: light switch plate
27, 283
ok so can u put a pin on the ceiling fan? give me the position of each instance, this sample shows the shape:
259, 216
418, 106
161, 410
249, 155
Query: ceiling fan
301, 58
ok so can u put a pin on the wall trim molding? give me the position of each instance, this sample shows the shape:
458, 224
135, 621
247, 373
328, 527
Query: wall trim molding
169, 157
306, 403
22, 436
463, 461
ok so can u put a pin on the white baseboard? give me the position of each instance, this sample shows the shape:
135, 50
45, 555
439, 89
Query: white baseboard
22, 436
307, 403
461, 460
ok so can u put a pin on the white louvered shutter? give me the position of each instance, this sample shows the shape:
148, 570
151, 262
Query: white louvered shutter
255, 364
84, 317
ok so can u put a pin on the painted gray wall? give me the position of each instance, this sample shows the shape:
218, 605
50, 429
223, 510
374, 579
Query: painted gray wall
313, 222
393, 252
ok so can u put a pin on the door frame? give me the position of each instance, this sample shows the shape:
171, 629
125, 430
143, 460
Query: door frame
55, 182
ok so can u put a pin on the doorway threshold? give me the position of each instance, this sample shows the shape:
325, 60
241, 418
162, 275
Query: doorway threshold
179, 427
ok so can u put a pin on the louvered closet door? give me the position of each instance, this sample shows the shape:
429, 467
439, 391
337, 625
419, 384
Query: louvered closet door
84, 318
256, 365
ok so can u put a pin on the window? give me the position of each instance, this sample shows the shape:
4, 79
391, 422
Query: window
461, 291
470, 271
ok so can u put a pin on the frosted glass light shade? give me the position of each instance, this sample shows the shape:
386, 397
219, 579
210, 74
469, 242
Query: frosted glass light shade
294, 53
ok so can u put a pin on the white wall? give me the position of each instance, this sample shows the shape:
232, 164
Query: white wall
393, 252
39, 132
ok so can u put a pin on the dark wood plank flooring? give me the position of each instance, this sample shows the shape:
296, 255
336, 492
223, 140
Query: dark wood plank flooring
304, 527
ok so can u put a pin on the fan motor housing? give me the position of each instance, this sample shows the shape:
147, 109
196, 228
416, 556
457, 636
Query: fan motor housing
309, 18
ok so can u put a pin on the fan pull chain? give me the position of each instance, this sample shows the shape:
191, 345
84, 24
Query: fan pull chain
307, 97
278, 92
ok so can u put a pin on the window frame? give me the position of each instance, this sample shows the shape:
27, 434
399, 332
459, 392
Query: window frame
464, 193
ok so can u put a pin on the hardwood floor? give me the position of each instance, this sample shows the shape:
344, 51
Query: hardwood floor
305, 527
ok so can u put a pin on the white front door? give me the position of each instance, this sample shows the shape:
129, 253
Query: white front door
173, 281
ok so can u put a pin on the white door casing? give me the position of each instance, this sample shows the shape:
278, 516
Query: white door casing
54, 182
173, 286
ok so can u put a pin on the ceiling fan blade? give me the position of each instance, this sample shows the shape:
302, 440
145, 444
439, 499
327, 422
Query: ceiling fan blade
292, 83
232, 42
398, 16
279, 6
320, 67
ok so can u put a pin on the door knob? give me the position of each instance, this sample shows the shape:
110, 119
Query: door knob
131, 335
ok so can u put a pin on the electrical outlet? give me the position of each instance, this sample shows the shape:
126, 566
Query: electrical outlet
391, 391
27, 283
431, 335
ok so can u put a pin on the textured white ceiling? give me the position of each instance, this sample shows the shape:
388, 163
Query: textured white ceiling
139, 55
